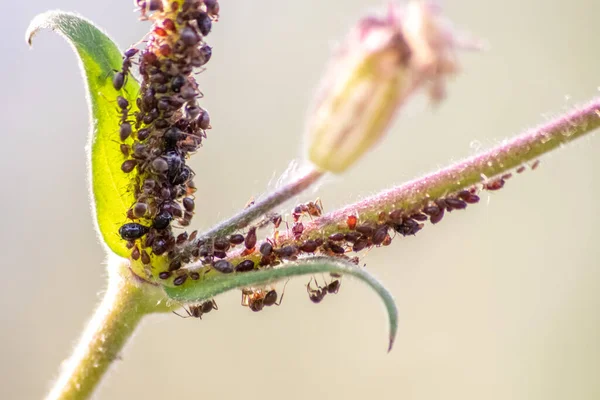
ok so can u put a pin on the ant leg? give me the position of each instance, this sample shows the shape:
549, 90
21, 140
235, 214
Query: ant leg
214, 304
282, 294
183, 316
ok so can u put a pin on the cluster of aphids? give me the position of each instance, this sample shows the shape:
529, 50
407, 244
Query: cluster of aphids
166, 124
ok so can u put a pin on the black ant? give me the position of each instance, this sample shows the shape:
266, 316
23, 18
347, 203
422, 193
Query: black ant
318, 294
197, 310
119, 77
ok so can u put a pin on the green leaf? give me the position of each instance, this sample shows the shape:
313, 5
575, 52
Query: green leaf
197, 291
99, 57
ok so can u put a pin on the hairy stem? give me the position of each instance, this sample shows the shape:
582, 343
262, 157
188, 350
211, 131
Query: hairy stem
124, 304
262, 207
415, 194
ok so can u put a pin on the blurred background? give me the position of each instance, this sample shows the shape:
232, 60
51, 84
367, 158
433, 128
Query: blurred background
500, 301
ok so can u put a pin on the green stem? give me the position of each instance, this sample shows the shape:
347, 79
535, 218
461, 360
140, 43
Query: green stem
124, 304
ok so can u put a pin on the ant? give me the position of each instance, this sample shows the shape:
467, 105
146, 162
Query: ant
312, 208
197, 310
257, 299
318, 294
120, 76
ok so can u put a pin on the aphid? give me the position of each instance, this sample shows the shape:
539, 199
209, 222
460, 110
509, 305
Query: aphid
180, 280
520, 169
175, 265
135, 253
432, 210
236, 239
336, 237
351, 222
204, 23
164, 275
287, 251
496, 184
245, 266
221, 244
352, 236
396, 215
212, 6
128, 166
437, 217
379, 235
335, 248
132, 231
535, 164
365, 229
223, 266
419, 217
360, 244
250, 240
182, 238
309, 246
159, 247
125, 149
198, 310
162, 220
194, 276
266, 249
456, 204
188, 204
145, 257
472, 199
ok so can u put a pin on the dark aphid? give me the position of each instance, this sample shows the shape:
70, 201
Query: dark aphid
396, 215
221, 244
164, 275
145, 257
175, 265
219, 254
245, 266
180, 280
189, 37
161, 123
125, 149
194, 276
128, 166
159, 165
266, 249
159, 247
360, 244
520, 169
205, 55
193, 235
379, 235
250, 240
188, 204
181, 238
496, 184
472, 199
204, 119
335, 248
187, 218
535, 164
432, 210
365, 229
177, 82
183, 176
419, 217
135, 253
139, 209
212, 6
309, 246
352, 236
132, 231
204, 23
351, 222
287, 251
143, 134
463, 194
223, 266
437, 217
337, 237
456, 204
162, 220
236, 239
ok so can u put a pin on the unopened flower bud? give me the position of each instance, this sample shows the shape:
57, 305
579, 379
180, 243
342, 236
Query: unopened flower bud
380, 64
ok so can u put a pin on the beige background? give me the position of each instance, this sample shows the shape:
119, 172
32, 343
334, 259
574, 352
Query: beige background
497, 302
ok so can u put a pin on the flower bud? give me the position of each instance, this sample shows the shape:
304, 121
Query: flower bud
380, 64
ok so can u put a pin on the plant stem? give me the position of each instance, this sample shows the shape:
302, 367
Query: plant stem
415, 194
262, 207
124, 304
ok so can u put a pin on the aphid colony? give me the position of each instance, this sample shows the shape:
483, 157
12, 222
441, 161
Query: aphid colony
165, 125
